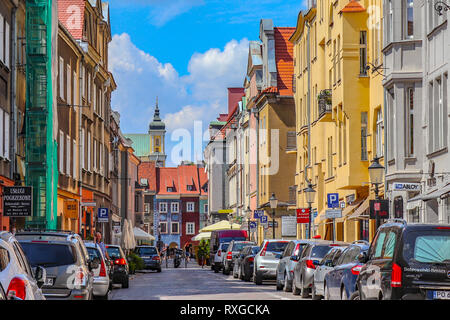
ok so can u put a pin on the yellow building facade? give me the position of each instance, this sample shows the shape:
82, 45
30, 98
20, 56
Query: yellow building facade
341, 94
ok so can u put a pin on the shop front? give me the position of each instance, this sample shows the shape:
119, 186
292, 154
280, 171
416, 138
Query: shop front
5, 223
68, 210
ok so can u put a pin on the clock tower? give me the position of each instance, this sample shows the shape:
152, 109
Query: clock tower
157, 132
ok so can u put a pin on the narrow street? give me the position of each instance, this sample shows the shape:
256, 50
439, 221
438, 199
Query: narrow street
195, 283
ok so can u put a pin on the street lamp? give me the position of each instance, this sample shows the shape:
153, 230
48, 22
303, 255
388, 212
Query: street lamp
273, 204
247, 213
310, 194
230, 220
376, 174
159, 237
440, 6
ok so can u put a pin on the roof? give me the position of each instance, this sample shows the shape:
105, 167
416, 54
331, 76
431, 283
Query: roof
353, 6
234, 96
69, 13
147, 170
141, 144
180, 177
284, 57
203, 178
167, 177
188, 175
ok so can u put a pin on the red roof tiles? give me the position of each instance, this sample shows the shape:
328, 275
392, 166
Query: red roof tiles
147, 170
284, 56
179, 178
353, 6
71, 15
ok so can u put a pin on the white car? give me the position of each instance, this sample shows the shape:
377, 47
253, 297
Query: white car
219, 256
16, 276
101, 273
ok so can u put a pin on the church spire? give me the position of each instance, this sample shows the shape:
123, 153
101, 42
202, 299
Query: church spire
157, 123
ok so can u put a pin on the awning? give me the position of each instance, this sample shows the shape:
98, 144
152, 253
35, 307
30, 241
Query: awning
140, 234
358, 212
411, 205
202, 236
438, 193
221, 225
348, 210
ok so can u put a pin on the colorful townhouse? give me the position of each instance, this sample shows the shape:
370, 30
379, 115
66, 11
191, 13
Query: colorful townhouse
339, 112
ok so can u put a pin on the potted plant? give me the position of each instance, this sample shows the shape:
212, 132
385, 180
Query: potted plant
203, 252
135, 262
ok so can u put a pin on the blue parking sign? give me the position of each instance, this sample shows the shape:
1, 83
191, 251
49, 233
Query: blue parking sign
102, 215
264, 219
333, 200
257, 214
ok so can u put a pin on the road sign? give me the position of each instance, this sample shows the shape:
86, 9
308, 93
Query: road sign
257, 214
263, 219
333, 213
315, 214
271, 224
102, 215
253, 225
17, 201
288, 226
342, 204
226, 211
303, 215
333, 200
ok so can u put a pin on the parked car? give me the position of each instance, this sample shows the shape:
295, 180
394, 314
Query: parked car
340, 282
151, 257
102, 281
406, 261
327, 264
66, 260
304, 270
121, 269
244, 263
231, 253
266, 260
16, 275
217, 261
221, 236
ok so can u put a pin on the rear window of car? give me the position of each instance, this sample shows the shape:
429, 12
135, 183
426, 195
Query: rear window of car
146, 251
318, 252
114, 252
93, 253
239, 246
49, 254
277, 246
433, 247
224, 246
255, 250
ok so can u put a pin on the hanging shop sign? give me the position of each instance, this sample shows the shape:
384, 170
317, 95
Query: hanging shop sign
17, 201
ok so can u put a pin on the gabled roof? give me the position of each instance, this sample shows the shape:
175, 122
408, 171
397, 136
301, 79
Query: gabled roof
353, 6
188, 175
203, 178
167, 177
147, 170
141, 144
71, 15
284, 57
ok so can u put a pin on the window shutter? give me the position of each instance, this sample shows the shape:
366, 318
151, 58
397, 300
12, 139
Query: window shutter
83, 143
7, 136
69, 85
89, 152
2, 130
74, 159
61, 78
2, 30
7, 39
68, 155
61, 152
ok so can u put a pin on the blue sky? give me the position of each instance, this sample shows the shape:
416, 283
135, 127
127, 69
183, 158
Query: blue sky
187, 52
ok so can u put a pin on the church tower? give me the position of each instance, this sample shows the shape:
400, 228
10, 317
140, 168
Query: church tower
157, 132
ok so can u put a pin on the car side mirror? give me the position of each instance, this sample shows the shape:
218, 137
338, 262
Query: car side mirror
40, 275
362, 257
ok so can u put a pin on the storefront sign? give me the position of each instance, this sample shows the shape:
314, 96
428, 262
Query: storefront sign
400, 186
17, 201
116, 227
71, 209
379, 208
303, 215
333, 213
288, 226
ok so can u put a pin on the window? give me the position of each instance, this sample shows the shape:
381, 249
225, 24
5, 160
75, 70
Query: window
437, 96
364, 155
4, 259
390, 245
163, 227
390, 23
363, 53
175, 207
61, 77
74, 158
83, 162
4, 132
190, 207
175, 227
379, 134
190, 228
163, 207
69, 85
190, 187
409, 19
390, 129
61, 152
432, 248
377, 248
409, 122
146, 208
170, 189
339, 58
205, 208
89, 152
95, 155
68, 143
330, 156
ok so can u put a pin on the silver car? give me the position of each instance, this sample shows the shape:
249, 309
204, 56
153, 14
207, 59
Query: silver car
101, 273
16, 276
266, 261
66, 260
305, 268
326, 265
218, 257
288, 260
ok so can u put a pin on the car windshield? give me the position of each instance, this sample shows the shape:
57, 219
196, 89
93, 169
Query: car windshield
255, 250
239, 246
318, 252
93, 253
146, 251
277, 246
49, 255
224, 246
432, 247
113, 252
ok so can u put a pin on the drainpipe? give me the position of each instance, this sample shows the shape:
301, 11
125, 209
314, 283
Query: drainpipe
80, 145
308, 58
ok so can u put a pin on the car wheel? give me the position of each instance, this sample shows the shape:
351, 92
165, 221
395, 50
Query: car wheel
303, 291
125, 283
314, 296
287, 287
344, 295
326, 293
257, 279
158, 270
355, 296
279, 285
241, 277
295, 290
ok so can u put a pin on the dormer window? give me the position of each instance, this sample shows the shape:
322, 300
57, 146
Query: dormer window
190, 188
170, 189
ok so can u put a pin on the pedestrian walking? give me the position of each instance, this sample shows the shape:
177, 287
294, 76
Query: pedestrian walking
99, 241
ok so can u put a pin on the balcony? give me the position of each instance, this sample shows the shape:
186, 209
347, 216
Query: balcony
325, 102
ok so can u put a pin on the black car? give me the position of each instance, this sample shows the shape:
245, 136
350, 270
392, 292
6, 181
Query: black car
120, 268
407, 261
244, 262
151, 257
232, 253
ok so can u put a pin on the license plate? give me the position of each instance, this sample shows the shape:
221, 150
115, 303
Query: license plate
145, 257
444, 295
49, 282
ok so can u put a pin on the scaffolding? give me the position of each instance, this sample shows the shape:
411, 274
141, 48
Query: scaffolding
40, 146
